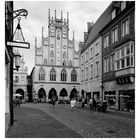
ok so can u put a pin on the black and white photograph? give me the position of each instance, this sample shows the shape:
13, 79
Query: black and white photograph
69, 69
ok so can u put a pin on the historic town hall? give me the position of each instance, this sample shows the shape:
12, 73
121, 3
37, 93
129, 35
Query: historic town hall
56, 71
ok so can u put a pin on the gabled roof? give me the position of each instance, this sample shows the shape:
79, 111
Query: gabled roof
102, 21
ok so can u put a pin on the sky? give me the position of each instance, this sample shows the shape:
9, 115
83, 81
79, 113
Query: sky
80, 12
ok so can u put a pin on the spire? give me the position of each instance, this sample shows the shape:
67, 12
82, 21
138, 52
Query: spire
61, 15
42, 35
73, 35
42, 31
49, 16
55, 14
35, 42
67, 16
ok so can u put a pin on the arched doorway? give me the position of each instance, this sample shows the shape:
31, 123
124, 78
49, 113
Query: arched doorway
53, 94
21, 92
63, 92
73, 93
42, 95
63, 96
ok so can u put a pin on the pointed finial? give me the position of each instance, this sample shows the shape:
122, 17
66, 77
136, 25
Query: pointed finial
67, 16
73, 34
61, 15
55, 14
42, 31
35, 42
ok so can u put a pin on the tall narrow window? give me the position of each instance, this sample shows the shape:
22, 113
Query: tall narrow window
123, 5
52, 53
70, 63
114, 35
106, 64
53, 75
105, 41
113, 14
74, 76
64, 63
97, 68
125, 27
16, 79
87, 73
91, 72
63, 75
41, 74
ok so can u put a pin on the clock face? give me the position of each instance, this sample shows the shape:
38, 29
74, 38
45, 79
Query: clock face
52, 45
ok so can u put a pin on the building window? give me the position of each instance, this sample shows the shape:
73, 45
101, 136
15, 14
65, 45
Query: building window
83, 75
53, 75
52, 62
97, 48
91, 52
122, 63
52, 53
86, 57
45, 61
41, 74
97, 68
112, 62
91, 71
126, 59
63, 75
125, 27
115, 35
74, 76
64, 55
87, 73
106, 64
16, 79
123, 5
70, 63
105, 41
113, 14
64, 63
123, 52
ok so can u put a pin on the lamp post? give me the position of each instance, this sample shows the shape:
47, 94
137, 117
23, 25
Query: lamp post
10, 43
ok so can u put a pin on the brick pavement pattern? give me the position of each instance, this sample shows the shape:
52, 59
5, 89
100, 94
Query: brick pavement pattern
90, 124
34, 123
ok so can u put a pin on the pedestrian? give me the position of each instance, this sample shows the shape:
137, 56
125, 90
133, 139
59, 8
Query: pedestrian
94, 104
53, 102
72, 103
83, 102
91, 104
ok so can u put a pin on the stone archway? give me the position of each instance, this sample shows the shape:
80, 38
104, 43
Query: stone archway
63, 92
21, 92
73, 93
53, 94
41, 95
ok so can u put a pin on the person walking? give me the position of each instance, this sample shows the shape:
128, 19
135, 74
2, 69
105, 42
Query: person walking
53, 102
83, 102
72, 103
91, 104
94, 104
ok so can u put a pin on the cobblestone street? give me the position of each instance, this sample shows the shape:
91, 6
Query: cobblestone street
90, 124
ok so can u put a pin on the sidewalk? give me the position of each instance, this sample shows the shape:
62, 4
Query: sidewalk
33, 123
113, 112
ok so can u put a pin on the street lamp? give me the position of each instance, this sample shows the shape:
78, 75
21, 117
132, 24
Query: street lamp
17, 61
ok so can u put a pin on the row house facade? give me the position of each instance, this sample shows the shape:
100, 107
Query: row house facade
20, 80
118, 39
109, 74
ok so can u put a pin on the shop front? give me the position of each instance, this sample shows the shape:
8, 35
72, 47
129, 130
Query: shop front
127, 100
